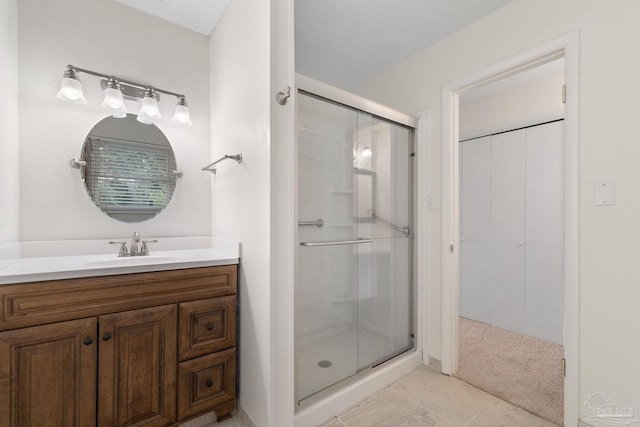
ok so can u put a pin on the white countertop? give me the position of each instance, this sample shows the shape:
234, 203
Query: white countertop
41, 268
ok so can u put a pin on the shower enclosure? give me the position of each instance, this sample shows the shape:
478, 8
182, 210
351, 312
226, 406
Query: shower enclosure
354, 292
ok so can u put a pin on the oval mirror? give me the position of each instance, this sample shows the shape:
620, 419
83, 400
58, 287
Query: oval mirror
130, 171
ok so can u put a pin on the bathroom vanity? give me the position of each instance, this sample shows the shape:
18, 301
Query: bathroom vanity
148, 348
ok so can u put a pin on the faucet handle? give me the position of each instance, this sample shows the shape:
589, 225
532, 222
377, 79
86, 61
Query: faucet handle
123, 247
145, 249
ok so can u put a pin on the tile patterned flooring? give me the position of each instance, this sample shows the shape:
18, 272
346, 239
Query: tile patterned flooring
429, 399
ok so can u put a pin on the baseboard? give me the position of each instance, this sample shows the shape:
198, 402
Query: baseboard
209, 419
243, 418
435, 364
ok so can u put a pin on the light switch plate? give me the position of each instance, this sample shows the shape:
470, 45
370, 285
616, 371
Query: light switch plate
605, 193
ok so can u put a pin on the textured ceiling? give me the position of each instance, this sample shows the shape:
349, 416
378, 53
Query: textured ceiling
344, 42
201, 16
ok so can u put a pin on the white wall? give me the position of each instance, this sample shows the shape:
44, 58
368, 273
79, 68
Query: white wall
108, 37
9, 143
609, 150
522, 105
239, 52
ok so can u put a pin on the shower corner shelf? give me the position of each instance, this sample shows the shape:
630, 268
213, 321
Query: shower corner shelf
342, 299
341, 224
341, 191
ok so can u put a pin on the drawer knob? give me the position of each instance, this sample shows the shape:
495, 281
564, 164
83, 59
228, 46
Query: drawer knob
209, 326
209, 383
88, 341
106, 337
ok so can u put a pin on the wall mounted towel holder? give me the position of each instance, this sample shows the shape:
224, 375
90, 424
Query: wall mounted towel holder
212, 167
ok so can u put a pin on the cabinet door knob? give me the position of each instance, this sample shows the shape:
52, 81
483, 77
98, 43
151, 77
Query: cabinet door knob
88, 341
209, 383
106, 337
209, 326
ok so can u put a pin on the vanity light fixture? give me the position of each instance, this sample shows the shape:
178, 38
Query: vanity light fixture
113, 100
71, 87
116, 90
149, 109
181, 114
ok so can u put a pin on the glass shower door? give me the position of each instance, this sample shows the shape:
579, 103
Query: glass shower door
382, 172
353, 285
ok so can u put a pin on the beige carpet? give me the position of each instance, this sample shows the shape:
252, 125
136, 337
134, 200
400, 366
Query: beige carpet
522, 370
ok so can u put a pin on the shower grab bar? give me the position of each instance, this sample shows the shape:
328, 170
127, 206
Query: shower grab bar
212, 167
406, 230
335, 243
318, 223
350, 242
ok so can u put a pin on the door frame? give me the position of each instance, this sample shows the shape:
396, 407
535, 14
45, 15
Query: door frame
567, 47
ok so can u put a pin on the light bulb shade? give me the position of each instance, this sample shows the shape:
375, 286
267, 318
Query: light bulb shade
113, 101
71, 91
181, 115
149, 110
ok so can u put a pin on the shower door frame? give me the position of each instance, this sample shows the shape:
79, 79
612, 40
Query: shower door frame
334, 95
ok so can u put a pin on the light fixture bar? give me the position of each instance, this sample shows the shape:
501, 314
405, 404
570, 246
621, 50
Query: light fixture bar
115, 89
128, 82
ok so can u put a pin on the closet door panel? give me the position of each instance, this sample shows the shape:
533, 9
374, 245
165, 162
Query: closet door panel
475, 230
544, 264
508, 229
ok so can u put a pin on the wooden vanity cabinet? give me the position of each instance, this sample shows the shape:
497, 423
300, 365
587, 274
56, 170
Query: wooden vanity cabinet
144, 349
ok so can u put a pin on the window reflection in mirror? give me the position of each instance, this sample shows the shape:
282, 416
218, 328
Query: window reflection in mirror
129, 171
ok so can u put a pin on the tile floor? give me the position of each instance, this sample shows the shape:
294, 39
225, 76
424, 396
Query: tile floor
429, 399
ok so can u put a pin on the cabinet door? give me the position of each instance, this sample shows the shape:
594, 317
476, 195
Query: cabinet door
476, 285
137, 367
48, 375
508, 229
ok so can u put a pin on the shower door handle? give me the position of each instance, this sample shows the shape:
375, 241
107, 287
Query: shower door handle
338, 242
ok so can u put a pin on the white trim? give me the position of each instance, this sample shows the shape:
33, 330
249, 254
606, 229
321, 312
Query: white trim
283, 205
569, 47
347, 98
420, 220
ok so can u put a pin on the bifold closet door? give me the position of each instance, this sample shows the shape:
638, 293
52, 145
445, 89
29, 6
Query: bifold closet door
476, 282
508, 229
544, 260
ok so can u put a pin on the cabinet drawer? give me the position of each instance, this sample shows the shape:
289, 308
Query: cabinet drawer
38, 303
206, 383
206, 326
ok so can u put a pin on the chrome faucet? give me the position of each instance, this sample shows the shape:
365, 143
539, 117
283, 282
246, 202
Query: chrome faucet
135, 250
134, 243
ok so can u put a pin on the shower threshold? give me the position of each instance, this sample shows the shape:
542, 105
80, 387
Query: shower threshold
332, 358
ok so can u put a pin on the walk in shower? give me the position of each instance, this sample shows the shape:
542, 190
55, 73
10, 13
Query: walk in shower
354, 291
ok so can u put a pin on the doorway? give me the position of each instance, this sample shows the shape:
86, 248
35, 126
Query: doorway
567, 48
